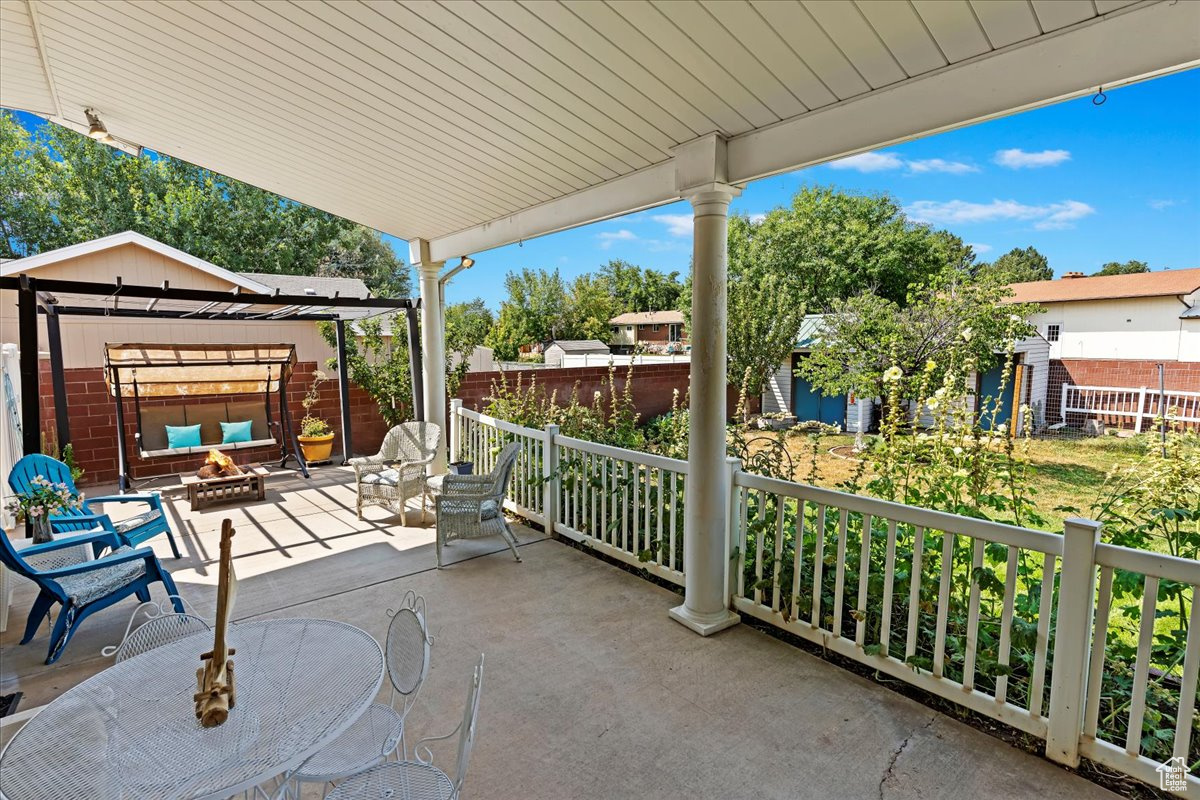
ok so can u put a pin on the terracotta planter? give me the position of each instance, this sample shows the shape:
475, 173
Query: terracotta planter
316, 448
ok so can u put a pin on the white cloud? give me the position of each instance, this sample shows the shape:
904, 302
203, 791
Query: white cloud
677, 224
980, 249
1017, 158
608, 237
868, 162
757, 218
1159, 205
941, 165
884, 162
1047, 217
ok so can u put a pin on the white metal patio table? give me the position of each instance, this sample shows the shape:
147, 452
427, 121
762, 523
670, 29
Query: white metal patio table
131, 731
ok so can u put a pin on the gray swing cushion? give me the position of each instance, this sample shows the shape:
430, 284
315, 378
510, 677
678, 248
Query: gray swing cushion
94, 584
209, 416
137, 520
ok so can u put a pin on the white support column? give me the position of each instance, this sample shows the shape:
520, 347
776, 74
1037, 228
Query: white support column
433, 345
705, 607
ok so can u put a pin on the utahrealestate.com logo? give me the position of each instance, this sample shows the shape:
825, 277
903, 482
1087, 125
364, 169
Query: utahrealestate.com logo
1172, 775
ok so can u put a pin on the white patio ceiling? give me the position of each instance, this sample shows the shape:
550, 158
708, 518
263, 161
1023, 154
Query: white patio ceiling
476, 124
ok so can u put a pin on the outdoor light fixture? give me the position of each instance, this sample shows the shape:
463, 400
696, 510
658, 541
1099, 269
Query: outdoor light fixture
96, 128
467, 262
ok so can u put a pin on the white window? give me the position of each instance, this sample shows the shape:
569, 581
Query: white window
675, 332
629, 329
1053, 332
656, 327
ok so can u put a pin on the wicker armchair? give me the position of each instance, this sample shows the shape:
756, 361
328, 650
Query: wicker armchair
397, 472
471, 506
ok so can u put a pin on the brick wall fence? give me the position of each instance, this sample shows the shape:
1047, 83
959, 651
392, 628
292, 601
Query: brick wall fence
653, 386
1122, 373
94, 422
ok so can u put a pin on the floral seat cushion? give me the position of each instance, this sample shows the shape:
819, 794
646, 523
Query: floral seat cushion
488, 509
88, 586
137, 520
387, 477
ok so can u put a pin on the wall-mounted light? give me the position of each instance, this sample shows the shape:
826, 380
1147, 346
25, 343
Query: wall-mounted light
467, 262
96, 128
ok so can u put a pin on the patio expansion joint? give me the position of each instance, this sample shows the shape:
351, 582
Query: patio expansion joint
891, 767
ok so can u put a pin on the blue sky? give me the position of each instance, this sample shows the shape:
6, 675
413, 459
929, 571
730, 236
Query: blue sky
1083, 184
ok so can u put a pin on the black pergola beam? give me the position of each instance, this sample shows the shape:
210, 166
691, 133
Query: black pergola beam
233, 316
31, 412
416, 377
209, 295
343, 388
62, 418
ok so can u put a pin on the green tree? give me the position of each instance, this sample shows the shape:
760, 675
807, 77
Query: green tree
378, 364
1019, 265
1123, 268
360, 252
59, 188
592, 306
635, 288
834, 244
765, 310
467, 326
956, 324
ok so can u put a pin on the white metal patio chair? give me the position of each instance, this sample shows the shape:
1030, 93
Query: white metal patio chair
377, 734
163, 625
396, 474
420, 779
471, 506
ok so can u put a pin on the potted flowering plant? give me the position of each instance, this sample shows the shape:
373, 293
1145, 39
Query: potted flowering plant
39, 503
316, 437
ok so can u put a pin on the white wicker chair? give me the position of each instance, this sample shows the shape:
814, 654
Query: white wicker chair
395, 474
420, 779
470, 506
374, 736
163, 625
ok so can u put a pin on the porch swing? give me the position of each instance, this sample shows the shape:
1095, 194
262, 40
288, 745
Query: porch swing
156, 372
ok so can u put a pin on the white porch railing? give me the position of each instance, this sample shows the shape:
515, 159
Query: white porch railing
1002, 620
1141, 404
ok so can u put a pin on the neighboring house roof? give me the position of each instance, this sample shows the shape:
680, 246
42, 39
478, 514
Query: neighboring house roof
648, 318
29, 263
301, 284
1107, 287
1191, 313
809, 329
579, 345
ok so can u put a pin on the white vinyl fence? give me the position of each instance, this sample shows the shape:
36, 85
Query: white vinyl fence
1030, 628
1142, 405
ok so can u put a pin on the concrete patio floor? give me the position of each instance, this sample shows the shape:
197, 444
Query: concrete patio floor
590, 690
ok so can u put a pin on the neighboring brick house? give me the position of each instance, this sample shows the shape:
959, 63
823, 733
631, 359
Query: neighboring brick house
649, 331
1108, 335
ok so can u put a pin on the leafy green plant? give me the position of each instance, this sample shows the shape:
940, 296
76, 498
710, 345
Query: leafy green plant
312, 425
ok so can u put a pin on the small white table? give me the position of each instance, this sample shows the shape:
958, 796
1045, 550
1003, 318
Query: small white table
131, 730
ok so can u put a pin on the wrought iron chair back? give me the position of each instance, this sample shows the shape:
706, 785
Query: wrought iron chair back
163, 625
466, 738
406, 650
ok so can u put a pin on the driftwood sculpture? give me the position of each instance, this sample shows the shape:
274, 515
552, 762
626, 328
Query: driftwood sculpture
215, 693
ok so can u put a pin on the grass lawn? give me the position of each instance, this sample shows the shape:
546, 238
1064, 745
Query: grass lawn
1070, 471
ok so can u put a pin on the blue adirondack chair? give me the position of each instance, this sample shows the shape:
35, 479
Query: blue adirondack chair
132, 531
83, 587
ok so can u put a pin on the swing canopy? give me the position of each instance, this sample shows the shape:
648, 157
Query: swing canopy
183, 370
